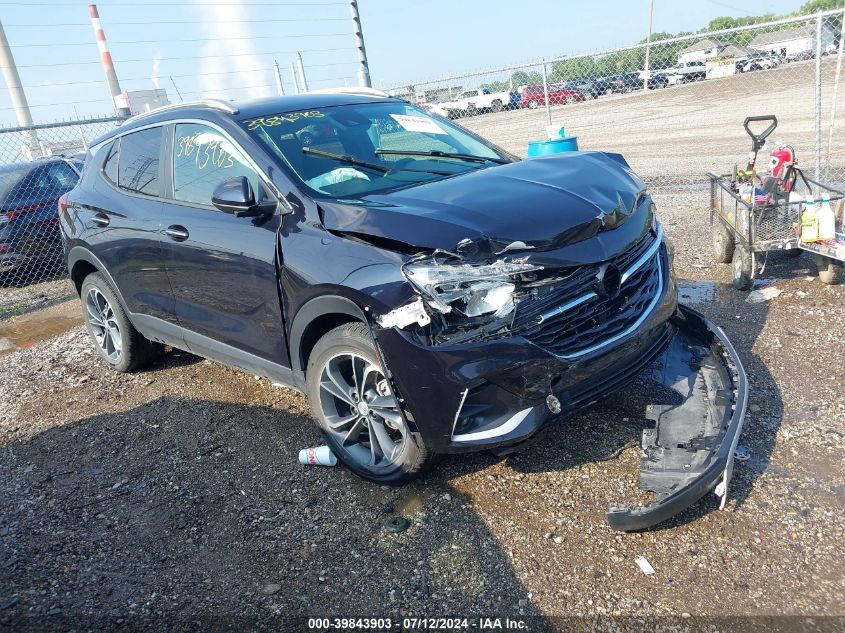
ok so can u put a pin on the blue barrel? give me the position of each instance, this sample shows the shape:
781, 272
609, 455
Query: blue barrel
544, 148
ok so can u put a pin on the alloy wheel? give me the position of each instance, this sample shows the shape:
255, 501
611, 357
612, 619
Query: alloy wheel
103, 322
360, 411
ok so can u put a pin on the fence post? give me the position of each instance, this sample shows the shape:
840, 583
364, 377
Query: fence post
818, 165
546, 96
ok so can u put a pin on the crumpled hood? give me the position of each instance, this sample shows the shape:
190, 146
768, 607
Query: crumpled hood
545, 203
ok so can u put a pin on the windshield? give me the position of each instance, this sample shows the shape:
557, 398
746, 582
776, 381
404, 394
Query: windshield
9, 178
349, 151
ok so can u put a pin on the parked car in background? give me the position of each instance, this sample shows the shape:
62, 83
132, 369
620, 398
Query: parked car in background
534, 97
29, 221
587, 88
686, 72
623, 82
477, 100
761, 62
429, 292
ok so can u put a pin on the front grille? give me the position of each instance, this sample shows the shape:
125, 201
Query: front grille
573, 320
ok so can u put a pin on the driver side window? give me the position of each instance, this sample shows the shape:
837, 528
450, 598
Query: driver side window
202, 159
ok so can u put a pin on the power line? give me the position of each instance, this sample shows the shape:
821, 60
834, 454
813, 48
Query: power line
198, 39
147, 60
111, 23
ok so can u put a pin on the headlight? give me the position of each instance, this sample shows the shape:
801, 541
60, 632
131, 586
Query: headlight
467, 289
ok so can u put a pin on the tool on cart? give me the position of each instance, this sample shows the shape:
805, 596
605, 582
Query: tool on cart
780, 209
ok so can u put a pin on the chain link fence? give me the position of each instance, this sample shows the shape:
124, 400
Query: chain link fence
674, 107
38, 164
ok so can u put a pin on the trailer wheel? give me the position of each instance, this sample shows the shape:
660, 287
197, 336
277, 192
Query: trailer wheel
793, 253
743, 267
830, 270
723, 242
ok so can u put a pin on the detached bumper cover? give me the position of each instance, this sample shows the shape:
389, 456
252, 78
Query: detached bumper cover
690, 451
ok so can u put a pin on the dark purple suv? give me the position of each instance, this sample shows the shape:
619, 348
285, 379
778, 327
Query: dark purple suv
429, 292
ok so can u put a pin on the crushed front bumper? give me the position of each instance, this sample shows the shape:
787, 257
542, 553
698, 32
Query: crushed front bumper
687, 453
690, 451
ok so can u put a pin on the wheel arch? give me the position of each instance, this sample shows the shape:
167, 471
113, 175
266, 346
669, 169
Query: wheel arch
314, 319
81, 262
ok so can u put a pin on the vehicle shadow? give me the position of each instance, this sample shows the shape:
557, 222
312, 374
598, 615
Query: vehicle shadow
181, 514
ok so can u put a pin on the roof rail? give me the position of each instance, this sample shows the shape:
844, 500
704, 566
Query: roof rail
215, 104
352, 90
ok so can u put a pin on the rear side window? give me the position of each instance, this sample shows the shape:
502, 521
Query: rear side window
110, 164
137, 166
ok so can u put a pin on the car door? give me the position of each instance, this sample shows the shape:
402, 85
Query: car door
222, 268
121, 216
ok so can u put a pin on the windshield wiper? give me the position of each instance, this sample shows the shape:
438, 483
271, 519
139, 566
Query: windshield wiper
345, 158
436, 152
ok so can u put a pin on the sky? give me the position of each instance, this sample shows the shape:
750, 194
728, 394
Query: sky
226, 48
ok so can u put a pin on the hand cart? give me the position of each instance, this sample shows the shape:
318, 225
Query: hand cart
744, 226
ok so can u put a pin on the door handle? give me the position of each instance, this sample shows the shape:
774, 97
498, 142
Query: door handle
100, 219
176, 232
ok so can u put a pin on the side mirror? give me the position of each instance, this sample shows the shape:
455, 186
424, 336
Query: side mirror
236, 196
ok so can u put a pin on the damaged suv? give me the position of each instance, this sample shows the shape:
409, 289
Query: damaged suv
428, 291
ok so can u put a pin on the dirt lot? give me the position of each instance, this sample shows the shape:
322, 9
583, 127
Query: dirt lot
174, 495
172, 499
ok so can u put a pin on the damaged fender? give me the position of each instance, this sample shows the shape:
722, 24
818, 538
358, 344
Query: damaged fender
690, 450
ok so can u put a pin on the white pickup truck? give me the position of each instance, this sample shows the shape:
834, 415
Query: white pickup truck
471, 102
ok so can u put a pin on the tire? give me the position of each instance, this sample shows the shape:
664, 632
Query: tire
114, 336
384, 449
496, 106
723, 242
570, 100
830, 270
533, 104
743, 267
794, 253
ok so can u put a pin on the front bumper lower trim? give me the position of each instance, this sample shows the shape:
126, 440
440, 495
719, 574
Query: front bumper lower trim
691, 449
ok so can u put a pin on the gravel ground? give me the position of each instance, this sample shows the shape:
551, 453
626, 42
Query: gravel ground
172, 499
18, 300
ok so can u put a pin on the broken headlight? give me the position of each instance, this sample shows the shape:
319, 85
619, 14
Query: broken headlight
470, 290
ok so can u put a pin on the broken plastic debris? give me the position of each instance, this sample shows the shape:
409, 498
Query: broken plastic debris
405, 315
644, 565
765, 294
742, 453
317, 456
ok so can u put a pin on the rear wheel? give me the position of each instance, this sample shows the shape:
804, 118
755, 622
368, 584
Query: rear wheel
116, 339
356, 410
496, 106
743, 267
723, 241
533, 104
830, 270
570, 100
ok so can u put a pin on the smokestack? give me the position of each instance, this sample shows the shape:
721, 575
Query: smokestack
296, 89
304, 86
279, 88
121, 107
16, 94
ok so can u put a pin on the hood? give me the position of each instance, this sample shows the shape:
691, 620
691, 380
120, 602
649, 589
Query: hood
539, 204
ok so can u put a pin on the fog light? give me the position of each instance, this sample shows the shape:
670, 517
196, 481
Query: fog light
553, 403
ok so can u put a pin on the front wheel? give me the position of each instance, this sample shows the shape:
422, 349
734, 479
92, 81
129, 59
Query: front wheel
496, 106
357, 411
533, 104
743, 267
830, 270
116, 339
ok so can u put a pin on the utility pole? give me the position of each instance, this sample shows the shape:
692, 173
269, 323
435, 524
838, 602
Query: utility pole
304, 85
17, 95
363, 66
648, 43
279, 87
121, 106
295, 81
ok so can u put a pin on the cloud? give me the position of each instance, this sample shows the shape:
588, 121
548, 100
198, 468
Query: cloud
154, 76
235, 70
